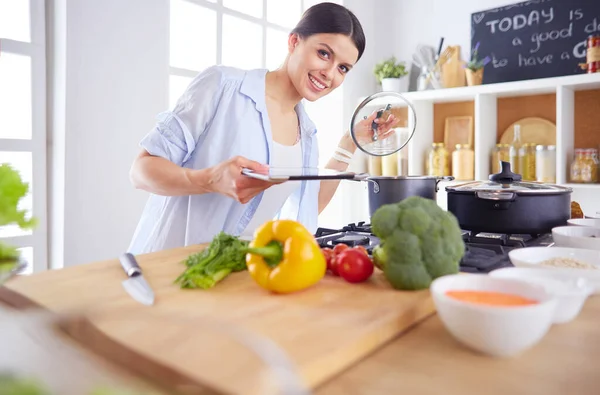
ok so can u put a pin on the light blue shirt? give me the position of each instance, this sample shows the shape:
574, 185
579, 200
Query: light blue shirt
222, 114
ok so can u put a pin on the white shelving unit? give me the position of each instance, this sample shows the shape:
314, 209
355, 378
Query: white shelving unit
485, 98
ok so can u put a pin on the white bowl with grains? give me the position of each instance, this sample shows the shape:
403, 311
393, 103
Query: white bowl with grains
571, 291
567, 263
577, 237
590, 222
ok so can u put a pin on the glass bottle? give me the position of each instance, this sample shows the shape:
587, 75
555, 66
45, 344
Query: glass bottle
499, 154
438, 161
515, 150
527, 161
463, 163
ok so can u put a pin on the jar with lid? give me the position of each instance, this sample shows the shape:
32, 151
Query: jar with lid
596, 161
593, 54
589, 169
577, 165
501, 153
545, 163
438, 161
527, 162
463, 163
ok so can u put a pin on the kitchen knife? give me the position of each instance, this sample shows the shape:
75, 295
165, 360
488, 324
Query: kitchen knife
136, 285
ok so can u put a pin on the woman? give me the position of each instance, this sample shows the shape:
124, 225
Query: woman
229, 119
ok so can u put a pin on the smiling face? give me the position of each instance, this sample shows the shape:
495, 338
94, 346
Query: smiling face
319, 63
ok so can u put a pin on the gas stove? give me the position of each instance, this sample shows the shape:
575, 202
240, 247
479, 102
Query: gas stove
484, 251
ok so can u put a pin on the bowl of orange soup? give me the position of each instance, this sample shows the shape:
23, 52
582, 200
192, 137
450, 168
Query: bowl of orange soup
496, 316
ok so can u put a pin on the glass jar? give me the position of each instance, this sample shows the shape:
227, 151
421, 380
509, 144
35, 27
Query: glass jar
501, 153
589, 168
438, 161
596, 160
545, 163
527, 162
577, 165
463, 163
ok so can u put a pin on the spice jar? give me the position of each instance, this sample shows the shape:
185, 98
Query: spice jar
577, 165
593, 54
589, 168
438, 161
501, 153
545, 163
527, 163
463, 163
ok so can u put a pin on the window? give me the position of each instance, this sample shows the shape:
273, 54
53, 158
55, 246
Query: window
246, 34
23, 118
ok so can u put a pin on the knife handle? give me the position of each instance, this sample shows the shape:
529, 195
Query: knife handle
130, 265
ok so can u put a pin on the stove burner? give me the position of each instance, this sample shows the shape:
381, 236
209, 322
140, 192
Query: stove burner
484, 251
352, 240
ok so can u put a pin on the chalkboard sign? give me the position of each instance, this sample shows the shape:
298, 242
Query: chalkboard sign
535, 39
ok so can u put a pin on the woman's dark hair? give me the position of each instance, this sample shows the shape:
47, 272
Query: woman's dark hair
331, 18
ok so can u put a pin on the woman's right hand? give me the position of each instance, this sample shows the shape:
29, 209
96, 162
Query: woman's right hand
226, 178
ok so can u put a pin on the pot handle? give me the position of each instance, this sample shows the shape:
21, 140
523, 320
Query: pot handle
438, 179
497, 196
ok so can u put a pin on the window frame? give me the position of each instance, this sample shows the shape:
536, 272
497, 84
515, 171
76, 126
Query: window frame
36, 50
220, 9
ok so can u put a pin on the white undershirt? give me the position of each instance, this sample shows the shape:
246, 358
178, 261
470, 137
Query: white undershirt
274, 197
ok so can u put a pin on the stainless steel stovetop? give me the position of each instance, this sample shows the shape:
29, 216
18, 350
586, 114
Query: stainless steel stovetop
484, 251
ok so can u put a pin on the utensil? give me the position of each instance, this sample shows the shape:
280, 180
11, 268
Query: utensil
571, 293
136, 285
508, 205
387, 190
577, 237
499, 331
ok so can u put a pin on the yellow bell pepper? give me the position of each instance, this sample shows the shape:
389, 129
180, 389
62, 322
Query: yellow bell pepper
284, 257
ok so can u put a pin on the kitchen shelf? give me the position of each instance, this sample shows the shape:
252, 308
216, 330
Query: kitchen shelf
572, 103
505, 89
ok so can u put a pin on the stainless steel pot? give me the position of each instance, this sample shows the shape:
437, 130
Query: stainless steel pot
507, 205
388, 190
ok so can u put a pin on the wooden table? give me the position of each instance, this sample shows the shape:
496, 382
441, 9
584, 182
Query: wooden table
422, 360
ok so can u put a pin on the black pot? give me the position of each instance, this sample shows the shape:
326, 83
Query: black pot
387, 190
507, 205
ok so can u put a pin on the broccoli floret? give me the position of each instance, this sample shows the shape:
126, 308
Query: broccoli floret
419, 242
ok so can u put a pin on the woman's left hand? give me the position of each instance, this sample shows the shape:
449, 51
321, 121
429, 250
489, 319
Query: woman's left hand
363, 130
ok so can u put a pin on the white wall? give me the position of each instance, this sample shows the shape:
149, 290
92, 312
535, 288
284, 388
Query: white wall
426, 21
111, 70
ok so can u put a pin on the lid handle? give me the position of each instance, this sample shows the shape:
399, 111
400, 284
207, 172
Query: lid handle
506, 176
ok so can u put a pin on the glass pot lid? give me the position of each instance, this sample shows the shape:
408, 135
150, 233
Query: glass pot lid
383, 124
507, 181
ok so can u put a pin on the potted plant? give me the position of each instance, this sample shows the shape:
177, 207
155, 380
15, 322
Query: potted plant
390, 73
474, 67
12, 190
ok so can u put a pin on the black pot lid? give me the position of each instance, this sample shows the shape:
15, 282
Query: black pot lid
507, 181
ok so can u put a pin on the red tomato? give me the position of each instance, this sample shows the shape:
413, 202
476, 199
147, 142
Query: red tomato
339, 248
354, 266
330, 259
363, 249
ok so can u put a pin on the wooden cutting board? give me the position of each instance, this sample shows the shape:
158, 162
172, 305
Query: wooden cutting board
321, 331
533, 130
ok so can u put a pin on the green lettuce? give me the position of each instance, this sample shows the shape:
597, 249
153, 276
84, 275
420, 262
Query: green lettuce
12, 190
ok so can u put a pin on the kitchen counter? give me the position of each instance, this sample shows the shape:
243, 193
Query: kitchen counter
422, 360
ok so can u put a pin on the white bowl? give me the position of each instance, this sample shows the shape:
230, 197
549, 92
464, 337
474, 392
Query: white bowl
595, 215
532, 257
591, 222
570, 292
499, 331
577, 237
